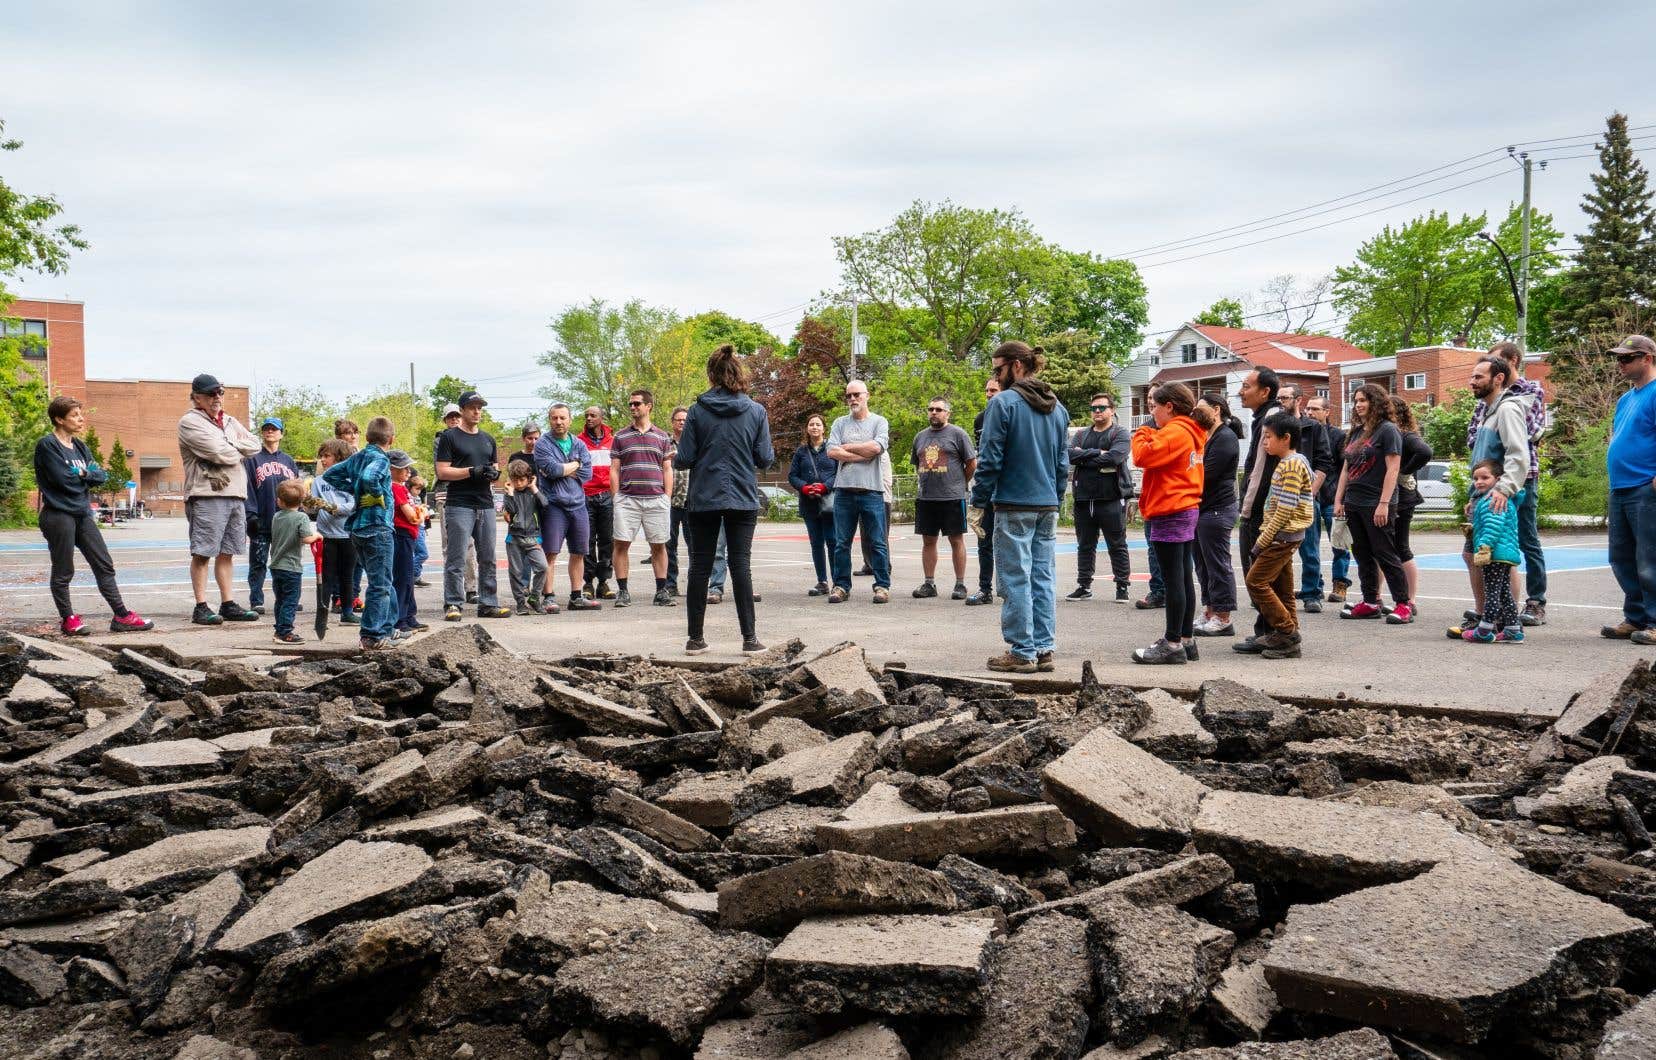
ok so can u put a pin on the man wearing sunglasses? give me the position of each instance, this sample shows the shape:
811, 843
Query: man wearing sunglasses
213, 446
1631, 459
944, 460
1098, 453
857, 441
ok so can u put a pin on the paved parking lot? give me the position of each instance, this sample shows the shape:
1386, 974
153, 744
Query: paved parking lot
1405, 665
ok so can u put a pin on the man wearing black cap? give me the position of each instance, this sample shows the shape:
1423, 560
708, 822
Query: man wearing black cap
213, 446
469, 462
266, 469
1631, 460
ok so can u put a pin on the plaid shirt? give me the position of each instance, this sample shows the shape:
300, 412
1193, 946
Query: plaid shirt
1535, 418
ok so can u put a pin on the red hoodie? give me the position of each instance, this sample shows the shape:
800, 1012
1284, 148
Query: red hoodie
599, 483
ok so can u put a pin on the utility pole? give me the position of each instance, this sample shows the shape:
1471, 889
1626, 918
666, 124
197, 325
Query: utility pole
1523, 266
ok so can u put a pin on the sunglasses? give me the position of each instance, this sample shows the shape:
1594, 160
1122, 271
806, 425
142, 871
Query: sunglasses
1628, 358
937, 410
634, 404
1102, 408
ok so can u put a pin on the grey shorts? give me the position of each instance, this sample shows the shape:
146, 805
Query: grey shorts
651, 516
218, 525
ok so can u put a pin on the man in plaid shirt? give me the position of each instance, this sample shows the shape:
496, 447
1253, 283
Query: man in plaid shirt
1529, 535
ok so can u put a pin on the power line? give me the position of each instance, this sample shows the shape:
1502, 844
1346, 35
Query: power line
1326, 224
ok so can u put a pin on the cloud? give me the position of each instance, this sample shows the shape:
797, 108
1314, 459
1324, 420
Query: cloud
323, 193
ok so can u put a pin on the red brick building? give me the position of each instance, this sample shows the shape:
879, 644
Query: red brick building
1422, 375
142, 413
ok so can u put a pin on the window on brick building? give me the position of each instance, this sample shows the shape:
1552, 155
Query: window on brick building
35, 329
1414, 381
1322, 392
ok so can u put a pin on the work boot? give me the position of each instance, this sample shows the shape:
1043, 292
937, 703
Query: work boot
1008, 663
819, 589
1044, 662
1622, 630
1150, 603
1279, 646
1337, 595
1534, 613
451, 613
604, 590
1249, 646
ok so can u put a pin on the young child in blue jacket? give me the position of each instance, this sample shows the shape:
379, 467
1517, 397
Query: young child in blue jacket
1495, 549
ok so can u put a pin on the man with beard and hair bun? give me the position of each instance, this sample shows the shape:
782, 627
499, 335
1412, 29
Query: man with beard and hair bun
1023, 467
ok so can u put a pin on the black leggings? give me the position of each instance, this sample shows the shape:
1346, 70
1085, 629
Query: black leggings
64, 533
703, 528
1178, 566
1400, 528
1376, 551
338, 567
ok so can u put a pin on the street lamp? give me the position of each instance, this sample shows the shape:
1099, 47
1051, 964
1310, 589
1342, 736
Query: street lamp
1512, 281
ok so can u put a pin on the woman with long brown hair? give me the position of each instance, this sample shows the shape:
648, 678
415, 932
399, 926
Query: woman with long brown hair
1212, 550
1170, 455
812, 476
726, 440
1417, 453
1367, 498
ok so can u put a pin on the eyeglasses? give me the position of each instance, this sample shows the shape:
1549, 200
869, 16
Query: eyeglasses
1102, 408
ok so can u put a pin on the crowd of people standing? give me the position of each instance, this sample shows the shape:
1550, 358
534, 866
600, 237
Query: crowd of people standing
1211, 494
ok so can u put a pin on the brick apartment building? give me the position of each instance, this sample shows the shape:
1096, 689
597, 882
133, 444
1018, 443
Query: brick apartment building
142, 413
1422, 375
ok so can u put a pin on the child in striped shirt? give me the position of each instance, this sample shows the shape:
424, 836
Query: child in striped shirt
1289, 509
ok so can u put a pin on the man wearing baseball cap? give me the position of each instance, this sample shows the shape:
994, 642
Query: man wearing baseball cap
214, 447
439, 499
266, 470
1631, 458
467, 459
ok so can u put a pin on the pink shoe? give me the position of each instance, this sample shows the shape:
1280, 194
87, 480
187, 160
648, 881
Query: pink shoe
131, 622
1402, 614
1362, 609
74, 627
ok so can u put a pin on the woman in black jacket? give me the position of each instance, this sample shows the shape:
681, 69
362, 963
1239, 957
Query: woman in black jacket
726, 440
64, 474
812, 476
1218, 515
1417, 453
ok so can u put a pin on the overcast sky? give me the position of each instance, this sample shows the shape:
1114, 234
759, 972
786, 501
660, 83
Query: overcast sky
323, 192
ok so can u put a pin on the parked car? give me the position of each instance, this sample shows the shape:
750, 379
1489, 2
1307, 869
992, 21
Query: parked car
1435, 490
779, 502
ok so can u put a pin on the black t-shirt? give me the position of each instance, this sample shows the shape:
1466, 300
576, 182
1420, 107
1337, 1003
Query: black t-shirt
1365, 458
458, 448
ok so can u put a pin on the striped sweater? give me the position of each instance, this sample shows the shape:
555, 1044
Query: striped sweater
1291, 504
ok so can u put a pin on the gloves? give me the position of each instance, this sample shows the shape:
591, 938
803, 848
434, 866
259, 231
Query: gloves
974, 519
218, 478
253, 525
1483, 557
487, 472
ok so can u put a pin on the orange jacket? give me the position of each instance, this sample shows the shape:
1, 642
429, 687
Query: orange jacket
1171, 459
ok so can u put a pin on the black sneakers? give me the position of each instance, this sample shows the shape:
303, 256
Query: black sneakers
1081, 593
231, 611
205, 616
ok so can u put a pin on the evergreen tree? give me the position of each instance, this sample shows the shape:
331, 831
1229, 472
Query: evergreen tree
120, 473
95, 446
1616, 268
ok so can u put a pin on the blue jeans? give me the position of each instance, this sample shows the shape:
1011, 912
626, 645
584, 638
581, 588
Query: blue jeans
1158, 587
258, 559
1025, 544
819, 525
721, 564
286, 585
865, 509
402, 579
1633, 552
421, 552
375, 552
1311, 579
1529, 543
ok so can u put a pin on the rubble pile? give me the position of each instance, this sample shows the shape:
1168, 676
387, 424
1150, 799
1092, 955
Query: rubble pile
449, 850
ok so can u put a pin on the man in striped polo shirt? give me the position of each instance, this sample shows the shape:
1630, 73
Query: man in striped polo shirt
642, 487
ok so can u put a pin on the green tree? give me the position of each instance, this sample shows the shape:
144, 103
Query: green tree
595, 348
94, 445
120, 472
1433, 279
975, 273
1616, 267
1444, 426
904, 389
1225, 313
307, 416
1075, 373
674, 368
31, 241
447, 391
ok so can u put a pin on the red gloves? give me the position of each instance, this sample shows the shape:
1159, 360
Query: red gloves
814, 489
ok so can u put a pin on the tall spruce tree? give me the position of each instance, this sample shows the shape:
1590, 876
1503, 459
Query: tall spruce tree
1616, 268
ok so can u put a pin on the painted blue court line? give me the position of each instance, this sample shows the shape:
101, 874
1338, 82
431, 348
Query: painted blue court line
1559, 560
115, 544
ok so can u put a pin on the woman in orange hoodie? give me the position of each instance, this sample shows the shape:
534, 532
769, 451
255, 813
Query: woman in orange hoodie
1170, 499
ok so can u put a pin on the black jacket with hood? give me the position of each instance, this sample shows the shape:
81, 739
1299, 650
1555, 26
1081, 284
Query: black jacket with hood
727, 442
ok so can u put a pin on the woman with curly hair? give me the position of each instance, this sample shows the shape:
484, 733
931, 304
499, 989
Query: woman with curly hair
1367, 498
1417, 453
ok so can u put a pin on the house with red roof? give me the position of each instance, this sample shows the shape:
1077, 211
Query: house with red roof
1207, 357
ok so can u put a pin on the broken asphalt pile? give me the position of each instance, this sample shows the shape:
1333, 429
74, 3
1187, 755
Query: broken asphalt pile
448, 850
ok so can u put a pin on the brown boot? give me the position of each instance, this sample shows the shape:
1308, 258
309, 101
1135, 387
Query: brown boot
1338, 594
1008, 663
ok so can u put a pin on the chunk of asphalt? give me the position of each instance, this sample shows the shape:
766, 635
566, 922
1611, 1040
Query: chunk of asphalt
835, 882
898, 965
1040, 988
1122, 793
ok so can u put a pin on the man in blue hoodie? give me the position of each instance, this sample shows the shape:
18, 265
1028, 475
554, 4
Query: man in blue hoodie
1023, 467
266, 469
